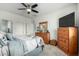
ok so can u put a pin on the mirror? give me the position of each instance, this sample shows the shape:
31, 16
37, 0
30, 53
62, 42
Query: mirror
6, 26
43, 26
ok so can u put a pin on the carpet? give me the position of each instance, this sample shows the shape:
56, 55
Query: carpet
50, 50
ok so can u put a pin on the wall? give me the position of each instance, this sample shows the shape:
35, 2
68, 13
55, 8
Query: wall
4, 25
77, 22
53, 19
19, 22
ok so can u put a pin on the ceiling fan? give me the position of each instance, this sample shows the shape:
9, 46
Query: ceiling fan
29, 8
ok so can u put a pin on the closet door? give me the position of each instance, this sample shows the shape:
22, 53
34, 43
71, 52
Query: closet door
19, 28
30, 29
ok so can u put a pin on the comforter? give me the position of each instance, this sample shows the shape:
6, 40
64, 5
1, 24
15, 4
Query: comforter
21, 46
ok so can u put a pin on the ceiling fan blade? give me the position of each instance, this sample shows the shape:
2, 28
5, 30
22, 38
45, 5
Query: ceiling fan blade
35, 11
24, 4
35, 5
21, 8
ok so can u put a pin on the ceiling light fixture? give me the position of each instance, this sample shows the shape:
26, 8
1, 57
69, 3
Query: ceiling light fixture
28, 11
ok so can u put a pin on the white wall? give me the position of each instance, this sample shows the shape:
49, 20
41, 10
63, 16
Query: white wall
77, 22
14, 17
53, 19
19, 22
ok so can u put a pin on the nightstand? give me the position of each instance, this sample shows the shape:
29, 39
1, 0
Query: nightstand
53, 42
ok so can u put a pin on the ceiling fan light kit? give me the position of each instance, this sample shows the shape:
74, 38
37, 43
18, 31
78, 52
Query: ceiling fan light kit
28, 11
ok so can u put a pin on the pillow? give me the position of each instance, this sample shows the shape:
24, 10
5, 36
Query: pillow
0, 51
3, 39
2, 34
5, 51
0, 45
9, 36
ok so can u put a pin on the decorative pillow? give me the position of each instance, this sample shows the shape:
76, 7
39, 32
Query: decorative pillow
9, 36
3, 39
2, 34
0, 51
0, 45
5, 51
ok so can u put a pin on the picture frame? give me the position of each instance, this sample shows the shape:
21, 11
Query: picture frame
43, 26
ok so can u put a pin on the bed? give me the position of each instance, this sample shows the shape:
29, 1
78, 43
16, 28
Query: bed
11, 45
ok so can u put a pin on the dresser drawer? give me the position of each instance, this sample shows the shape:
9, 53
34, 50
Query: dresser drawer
63, 44
63, 28
67, 40
63, 37
65, 49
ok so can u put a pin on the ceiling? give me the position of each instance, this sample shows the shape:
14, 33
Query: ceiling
43, 8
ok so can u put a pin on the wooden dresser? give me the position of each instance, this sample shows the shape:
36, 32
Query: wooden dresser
44, 35
67, 40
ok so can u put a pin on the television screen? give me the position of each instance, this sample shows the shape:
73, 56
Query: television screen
67, 21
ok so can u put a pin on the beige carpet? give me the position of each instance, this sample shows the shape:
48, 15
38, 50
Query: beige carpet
50, 50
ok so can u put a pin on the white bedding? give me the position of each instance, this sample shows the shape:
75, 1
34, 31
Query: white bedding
21, 46
0, 52
4, 51
16, 48
32, 43
3, 44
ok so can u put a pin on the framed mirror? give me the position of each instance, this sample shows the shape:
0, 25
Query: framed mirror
43, 26
6, 26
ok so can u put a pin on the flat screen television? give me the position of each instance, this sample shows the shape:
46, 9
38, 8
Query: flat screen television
67, 21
